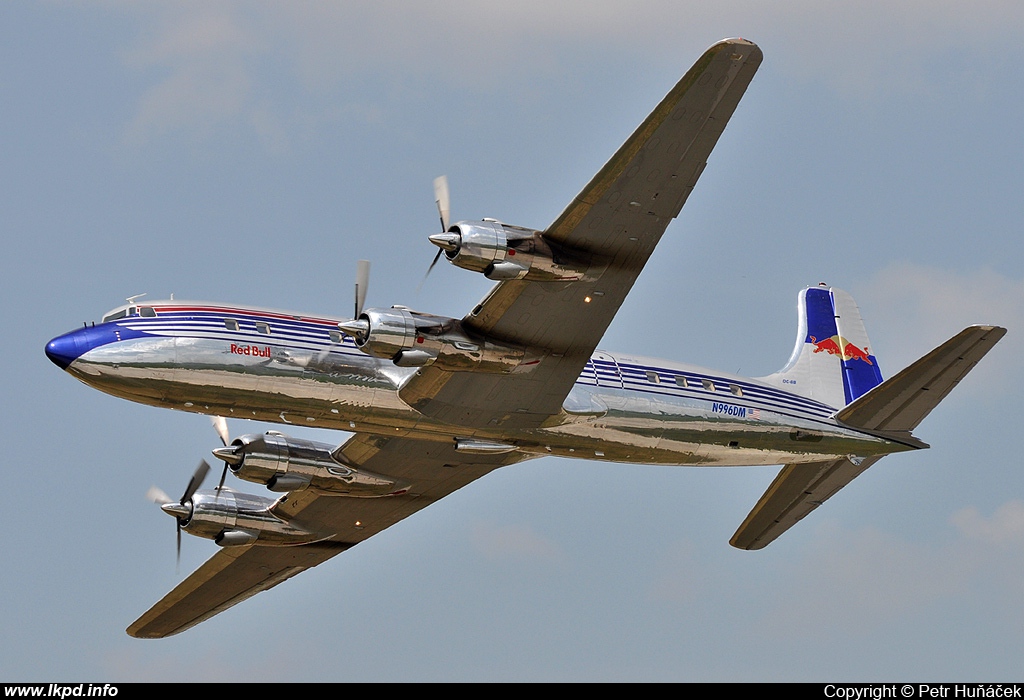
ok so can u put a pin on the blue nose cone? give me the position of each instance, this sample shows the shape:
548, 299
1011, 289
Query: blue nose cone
64, 349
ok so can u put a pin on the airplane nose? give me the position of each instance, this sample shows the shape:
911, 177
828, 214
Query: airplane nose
63, 350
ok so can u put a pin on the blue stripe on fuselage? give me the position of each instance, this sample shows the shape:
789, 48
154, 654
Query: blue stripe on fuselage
65, 349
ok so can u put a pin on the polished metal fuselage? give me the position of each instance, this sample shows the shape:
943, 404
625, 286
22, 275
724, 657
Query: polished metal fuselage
293, 369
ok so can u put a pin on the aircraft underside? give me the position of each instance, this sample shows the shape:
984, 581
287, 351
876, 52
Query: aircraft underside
664, 424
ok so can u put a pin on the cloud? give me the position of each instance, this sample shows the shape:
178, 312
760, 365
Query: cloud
915, 308
1004, 528
513, 544
680, 577
201, 55
864, 580
210, 59
868, 577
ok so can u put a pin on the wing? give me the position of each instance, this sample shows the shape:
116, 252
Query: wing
434, 469
616, 221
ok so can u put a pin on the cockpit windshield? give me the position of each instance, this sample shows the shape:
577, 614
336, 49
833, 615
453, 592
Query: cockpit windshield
129, 310
115, 314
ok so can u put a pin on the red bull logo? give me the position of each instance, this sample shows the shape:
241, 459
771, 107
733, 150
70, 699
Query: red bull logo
838, 345
253, 350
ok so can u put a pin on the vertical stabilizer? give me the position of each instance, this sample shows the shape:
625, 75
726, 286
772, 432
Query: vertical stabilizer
832, 361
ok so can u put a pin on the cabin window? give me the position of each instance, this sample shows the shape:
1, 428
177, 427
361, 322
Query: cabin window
147, 312
736, 390
231, 324
262, 328
336, 336
653, 378
681, 380
708, 384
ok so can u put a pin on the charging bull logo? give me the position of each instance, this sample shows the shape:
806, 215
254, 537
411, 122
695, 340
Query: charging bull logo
838, 345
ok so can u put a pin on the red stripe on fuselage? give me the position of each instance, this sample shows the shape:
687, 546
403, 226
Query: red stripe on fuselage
241, 312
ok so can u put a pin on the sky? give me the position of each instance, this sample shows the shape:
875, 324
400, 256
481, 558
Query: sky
252, 152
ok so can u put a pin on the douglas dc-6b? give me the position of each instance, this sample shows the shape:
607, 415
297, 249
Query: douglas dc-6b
436, 402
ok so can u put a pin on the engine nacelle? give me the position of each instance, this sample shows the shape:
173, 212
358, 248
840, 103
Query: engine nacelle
231, 518
413, 339
504, 252
285, 463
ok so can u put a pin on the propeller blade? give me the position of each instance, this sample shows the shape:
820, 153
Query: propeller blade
221, 484
177, 561
157, 495
196, 481
362, 282
442, 200
221, 426
422, 281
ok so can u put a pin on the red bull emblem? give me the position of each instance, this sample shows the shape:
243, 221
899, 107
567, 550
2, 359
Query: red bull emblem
838, 345
253, 350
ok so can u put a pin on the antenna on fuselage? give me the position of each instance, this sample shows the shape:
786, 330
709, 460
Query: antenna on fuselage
131, 299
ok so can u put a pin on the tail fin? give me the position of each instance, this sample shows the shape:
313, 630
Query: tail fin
891, 411
832, 360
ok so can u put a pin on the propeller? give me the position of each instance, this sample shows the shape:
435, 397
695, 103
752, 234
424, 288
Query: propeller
358, 327
444, 240
220, 424
178, 509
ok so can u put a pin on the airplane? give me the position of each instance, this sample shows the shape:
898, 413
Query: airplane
434, 403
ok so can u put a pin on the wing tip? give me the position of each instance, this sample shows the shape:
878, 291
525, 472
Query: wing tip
754, 51
137, 630
148, 625
747, 545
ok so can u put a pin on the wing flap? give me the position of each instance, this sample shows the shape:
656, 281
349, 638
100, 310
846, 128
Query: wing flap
796, 491
899, 404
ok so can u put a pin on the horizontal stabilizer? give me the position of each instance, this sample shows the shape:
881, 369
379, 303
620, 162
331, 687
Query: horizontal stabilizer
891, 410
796, 491
899, 404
